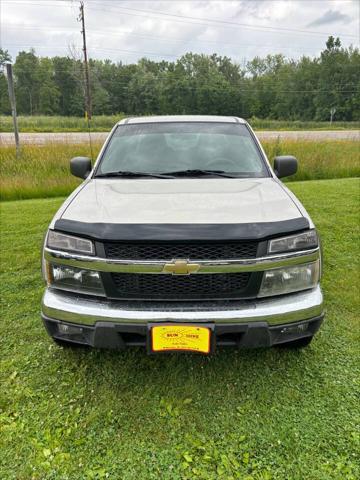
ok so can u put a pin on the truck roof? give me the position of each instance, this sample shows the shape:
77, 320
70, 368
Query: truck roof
181, 118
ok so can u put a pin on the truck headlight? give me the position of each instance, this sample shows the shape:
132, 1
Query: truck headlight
290, 279
74, 279
294, 242
61, 241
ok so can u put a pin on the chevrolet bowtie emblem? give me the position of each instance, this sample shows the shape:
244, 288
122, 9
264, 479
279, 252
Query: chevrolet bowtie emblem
181, 267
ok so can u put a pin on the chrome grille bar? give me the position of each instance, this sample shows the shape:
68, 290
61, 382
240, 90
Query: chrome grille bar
206, 266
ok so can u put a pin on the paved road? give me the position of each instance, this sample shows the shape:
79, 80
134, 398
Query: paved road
98, 137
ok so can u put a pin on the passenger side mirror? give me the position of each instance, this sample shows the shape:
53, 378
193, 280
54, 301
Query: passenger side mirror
285, 165
80, 166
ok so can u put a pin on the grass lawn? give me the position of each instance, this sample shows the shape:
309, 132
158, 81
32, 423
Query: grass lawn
43, 171
103, 123
264, 414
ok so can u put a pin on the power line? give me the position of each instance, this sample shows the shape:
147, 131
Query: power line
159, 37
193, 20
204, 21
244, 85
43, 4
128, 53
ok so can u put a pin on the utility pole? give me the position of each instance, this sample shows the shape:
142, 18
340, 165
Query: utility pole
332, 113
11, 90
86, 65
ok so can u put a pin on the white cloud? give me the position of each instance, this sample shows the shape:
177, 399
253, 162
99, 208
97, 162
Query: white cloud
330, 16
126, 31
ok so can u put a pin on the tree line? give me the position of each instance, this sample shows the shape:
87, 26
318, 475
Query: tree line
272, 87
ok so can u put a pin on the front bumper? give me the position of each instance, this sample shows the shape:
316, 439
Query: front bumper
241, 335
251, 323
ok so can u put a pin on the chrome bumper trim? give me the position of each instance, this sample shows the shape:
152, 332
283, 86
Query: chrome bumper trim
283, 309
208, 266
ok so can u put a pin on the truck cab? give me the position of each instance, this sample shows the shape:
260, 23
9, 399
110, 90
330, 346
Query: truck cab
182, 237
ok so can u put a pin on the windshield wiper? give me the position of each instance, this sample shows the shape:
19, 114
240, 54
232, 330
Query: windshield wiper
198, 172
176, 173
132, 174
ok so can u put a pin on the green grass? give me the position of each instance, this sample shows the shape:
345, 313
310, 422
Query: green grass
43, 171
103, 123
264, 414
99, 123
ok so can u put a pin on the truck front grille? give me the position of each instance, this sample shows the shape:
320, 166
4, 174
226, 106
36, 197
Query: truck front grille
180, 287
187, 250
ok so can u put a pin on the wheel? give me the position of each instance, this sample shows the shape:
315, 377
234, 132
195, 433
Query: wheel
295, 344
67, 344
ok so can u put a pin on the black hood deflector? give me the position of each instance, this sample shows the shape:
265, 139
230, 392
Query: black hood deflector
181, 231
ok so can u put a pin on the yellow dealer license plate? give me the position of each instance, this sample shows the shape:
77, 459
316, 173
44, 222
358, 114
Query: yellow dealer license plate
180, 337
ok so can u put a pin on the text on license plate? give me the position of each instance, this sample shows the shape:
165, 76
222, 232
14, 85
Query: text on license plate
180, 337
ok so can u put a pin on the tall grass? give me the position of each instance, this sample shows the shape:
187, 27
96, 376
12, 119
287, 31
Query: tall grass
43, 171
264, 124
318, 160
103, 123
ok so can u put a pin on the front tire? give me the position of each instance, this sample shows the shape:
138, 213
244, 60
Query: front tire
296, 344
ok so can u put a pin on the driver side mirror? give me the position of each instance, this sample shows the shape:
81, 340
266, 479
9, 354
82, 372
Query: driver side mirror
285, 165
80, 166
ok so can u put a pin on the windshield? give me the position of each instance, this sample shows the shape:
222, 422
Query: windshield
175, 147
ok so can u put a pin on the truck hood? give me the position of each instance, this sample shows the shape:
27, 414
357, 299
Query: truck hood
181, 201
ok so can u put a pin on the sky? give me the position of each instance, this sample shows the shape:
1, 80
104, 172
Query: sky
126, 30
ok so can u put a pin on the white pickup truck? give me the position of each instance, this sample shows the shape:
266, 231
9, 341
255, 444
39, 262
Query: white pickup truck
182, 238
